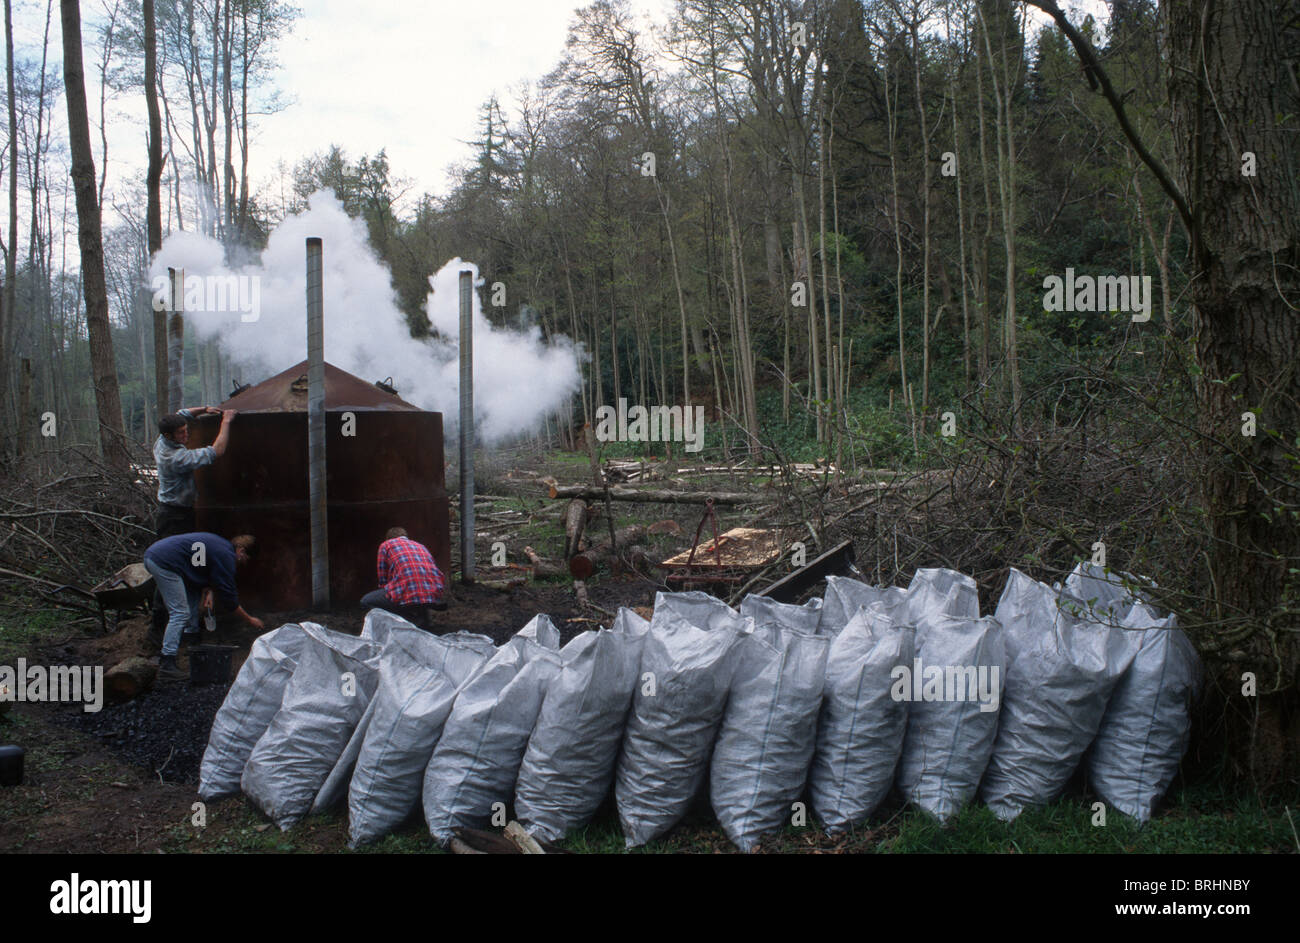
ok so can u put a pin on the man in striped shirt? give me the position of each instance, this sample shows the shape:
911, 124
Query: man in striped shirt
409, 579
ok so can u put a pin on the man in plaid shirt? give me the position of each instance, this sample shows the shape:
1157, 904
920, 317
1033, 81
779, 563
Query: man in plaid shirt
409, 579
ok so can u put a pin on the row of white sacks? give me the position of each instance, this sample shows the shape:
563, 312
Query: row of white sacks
840, 700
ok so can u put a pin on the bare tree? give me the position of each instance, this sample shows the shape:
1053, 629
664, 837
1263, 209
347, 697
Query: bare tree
7, 306
1003, 80
153, 184
90, 239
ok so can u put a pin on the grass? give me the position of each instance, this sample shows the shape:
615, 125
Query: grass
1067, 827
1201, 820
21, 632
234, 826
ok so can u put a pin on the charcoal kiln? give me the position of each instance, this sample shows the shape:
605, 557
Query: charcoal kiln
384, 468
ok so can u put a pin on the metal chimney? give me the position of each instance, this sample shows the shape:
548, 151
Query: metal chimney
175, 343
320, 558
467, 426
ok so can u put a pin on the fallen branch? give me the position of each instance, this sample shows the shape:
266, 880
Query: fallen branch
80, 512
34, 579
522, 840
652, 496
543, 568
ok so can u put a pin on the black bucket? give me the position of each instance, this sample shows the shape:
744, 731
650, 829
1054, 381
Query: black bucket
11, 765
210, 664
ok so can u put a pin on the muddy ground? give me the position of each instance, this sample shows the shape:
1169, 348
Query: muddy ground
123, 779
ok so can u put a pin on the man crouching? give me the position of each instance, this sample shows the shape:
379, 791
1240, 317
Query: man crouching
409, 579
188, 569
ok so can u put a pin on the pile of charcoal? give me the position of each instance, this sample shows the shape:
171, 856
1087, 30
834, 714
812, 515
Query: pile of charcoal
164, 730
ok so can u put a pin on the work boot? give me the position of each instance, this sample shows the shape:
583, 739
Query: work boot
167, 670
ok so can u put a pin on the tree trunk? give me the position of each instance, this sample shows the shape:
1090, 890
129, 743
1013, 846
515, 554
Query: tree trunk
1231, 92
914, 29
1006, 145
23, 438
961, 239
89, 237
891, 124
153, 185
8, 303
575, 522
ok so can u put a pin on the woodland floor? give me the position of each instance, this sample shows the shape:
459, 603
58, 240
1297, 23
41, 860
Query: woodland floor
124, 779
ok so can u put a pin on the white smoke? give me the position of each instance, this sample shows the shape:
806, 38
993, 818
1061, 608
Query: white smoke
518, 377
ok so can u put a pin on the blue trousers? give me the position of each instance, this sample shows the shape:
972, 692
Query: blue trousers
182, 601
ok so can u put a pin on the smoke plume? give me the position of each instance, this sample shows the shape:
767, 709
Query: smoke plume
518, 377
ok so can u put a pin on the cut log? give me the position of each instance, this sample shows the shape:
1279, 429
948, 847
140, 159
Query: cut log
584, 564
653, 496
576, 516
619, 470
522, 840
129, 678
473, 841
543, 569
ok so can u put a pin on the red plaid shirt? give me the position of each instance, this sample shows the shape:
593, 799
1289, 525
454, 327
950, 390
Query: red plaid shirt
408, 574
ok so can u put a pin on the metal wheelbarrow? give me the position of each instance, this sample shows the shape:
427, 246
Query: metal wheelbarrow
129, 589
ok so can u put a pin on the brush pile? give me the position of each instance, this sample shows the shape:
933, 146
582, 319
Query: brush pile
75, 526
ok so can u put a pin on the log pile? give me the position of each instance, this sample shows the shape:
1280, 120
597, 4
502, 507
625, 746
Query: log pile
791, 494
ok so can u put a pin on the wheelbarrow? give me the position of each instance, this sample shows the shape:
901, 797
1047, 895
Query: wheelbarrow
129, 589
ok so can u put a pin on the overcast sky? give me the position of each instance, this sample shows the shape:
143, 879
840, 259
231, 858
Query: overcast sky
404, 75
407, 76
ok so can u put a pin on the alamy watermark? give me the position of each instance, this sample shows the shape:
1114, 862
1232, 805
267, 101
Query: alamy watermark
67, 684
85, 896
653, 424
210, 294
1131, 293
947, 683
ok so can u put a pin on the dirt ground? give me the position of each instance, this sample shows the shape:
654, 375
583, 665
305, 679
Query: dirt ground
123, 779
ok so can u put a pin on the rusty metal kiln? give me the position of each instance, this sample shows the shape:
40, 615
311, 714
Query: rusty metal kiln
384, 468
